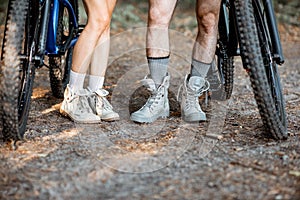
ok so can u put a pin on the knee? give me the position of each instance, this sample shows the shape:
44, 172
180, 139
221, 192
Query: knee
207, 20
159, 18
98, 25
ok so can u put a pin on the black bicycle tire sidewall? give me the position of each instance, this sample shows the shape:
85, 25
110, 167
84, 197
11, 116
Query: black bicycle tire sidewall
13, 125
253, 62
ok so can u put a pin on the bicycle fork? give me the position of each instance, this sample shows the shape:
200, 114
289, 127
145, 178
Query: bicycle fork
45, 9
277, 53
275, 39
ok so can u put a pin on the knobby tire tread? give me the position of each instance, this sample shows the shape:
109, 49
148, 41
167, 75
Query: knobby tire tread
253, 62
10, 70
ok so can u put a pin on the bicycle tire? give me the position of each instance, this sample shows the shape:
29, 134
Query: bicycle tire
60, 66
223, 87
255, 45
17, 69
221, 78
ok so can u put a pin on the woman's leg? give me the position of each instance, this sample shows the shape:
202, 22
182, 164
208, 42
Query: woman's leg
98, 66
76, 104
96, 79
101, 52
99, 14
99, 61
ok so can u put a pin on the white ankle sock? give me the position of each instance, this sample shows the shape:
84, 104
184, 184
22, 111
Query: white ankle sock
95, 82
76, 81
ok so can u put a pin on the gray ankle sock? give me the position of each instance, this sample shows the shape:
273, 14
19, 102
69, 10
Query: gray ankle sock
158, 69
199, 68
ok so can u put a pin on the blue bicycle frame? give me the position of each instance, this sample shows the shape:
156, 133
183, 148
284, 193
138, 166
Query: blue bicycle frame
48, 38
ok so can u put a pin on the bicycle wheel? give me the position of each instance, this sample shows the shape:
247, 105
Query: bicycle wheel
18, 68
60, 66
221, 78
256, 52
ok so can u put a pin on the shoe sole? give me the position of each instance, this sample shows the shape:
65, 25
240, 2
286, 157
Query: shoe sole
148, 120
194, 118
65, 114
110, 119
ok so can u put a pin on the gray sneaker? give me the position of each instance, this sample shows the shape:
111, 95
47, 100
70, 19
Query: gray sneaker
190, 108
101, 106
157, 104
76, 107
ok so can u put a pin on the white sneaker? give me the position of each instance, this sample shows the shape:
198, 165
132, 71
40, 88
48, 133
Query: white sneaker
101, 106
157, 104
190, 108
76, 107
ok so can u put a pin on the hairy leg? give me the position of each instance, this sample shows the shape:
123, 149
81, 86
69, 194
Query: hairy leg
159, 17
207, 12
157, 42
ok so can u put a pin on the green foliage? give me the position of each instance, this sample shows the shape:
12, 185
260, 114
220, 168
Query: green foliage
3, 7
126, 15
288, 11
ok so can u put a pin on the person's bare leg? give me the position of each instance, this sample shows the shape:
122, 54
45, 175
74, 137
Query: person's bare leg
76, 103
100, 56
157, 41
195, 85
99, 59
98, 66
207, 12
99, 13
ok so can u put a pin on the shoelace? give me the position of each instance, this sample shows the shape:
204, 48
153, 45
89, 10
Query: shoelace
95, 96
153, 100
81, 104
156, 93
205, 89
106, 104
192, 99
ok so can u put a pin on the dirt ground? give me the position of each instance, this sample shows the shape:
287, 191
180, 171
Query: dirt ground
227, 157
